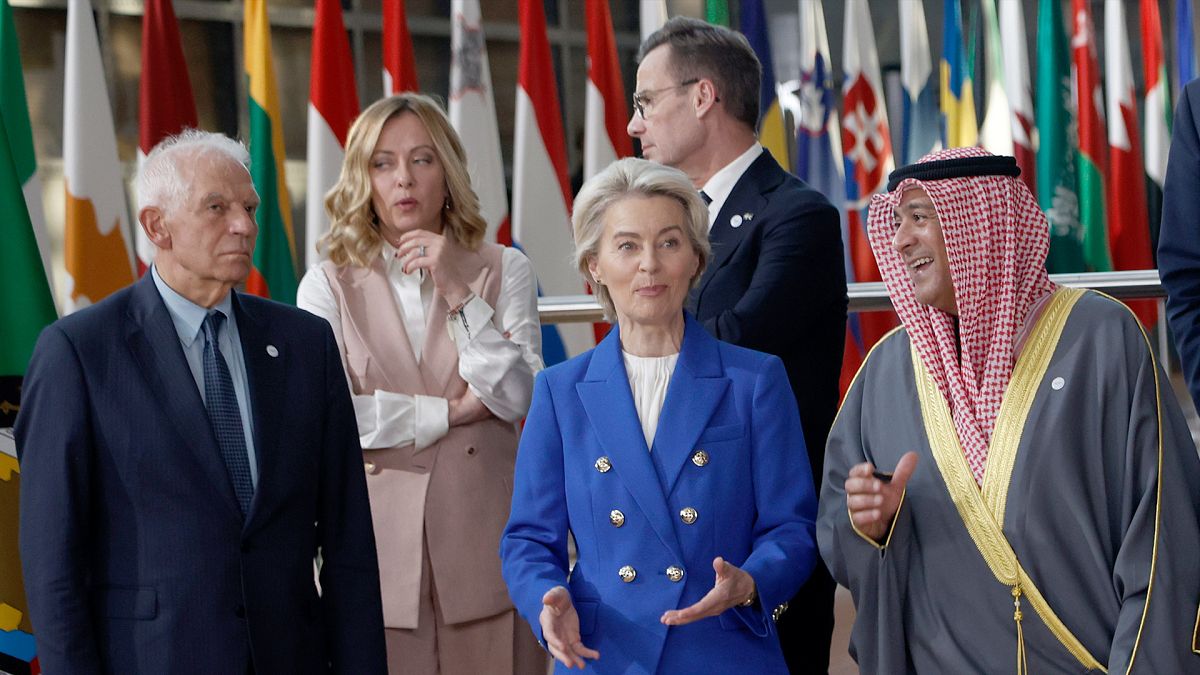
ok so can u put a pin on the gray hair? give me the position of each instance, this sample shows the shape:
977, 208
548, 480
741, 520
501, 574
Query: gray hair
633, 177
160, 181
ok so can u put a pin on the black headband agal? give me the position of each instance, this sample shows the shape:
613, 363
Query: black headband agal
959, 167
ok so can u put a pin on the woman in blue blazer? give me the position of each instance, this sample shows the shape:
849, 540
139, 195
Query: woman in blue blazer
672, 458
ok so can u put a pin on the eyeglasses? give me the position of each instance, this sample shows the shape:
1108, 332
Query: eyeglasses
641, 99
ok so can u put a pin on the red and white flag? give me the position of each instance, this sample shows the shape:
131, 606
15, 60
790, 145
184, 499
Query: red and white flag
606, 110
473, 115
1128, 227
332, 107
1018, 89
1158, 94
399, 64
97, 255
165, 103
541, 192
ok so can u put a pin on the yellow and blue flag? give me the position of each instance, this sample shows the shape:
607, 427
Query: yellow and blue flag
959, 128
771, 131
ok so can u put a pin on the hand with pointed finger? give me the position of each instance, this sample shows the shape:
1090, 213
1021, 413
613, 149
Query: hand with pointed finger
439, 256
733, 587
560, 629
872, 500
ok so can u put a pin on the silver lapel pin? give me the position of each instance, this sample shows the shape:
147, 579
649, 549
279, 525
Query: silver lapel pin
272, 351
735, 222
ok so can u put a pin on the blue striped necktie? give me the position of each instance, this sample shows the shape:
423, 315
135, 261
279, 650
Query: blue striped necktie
223, 413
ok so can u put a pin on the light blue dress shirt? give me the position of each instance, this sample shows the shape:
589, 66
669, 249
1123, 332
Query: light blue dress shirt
188, 318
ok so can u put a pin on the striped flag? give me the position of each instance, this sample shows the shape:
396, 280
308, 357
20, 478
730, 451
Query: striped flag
1092, 160
15, 111
921, 134
165, 103
995, 134
473, 114
607, 109
1018, 90
1057, 186
96, 251
959, 128
652, 16
771, 130
1158, 111
274, 273
1185, 54
541, 213
399, 64
866, 141
332, 107
1128, 231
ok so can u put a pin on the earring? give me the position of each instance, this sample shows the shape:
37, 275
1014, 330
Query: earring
446, 203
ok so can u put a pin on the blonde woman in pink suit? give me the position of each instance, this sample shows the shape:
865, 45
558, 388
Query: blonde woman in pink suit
440, 338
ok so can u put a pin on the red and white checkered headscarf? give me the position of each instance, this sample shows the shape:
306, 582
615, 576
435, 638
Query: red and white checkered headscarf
996, 242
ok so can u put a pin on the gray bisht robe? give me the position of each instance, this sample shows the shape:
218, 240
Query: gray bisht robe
1102, 517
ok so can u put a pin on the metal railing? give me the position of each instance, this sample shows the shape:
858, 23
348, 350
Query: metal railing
873, 296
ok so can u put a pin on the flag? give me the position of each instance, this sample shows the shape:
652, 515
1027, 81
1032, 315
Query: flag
96, 251
1092, 160
165, 103
1185, 55
771, 131
15, 111
607, 109
957, 91
996, 132
1057, 146
1158, 112
541, 214
472, 113
652, 16
1128, 228
274, 273
866, 142
399, 64
1018, 90
332, 107
717, 12
921, 134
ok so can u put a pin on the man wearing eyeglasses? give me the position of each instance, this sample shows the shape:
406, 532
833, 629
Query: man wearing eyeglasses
776, 282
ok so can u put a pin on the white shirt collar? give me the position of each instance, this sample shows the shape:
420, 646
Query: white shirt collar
721, 183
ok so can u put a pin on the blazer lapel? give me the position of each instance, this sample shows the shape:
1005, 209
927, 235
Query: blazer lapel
439, 356
608, 403
376, 298
761, 177
697, 386
151, 336
266, 376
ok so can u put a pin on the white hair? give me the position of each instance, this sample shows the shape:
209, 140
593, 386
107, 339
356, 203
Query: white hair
160, 182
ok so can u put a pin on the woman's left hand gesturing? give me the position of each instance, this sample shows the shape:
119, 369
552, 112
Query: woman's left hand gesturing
441, 257
733, 587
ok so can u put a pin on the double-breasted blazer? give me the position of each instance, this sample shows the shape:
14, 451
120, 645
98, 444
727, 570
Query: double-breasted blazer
729, 446
136, 556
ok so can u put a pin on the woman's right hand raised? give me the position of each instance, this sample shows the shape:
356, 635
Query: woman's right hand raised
560, 629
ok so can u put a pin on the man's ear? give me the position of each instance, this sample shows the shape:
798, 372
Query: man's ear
153, 222
704, 97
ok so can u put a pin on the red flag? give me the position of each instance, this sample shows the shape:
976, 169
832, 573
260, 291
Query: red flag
1128, 224
541, 221
165, 103
399, 64
332, 107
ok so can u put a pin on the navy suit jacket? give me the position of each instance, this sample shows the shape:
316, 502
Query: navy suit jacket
777, 284
135, 553
1179, 236
754, 499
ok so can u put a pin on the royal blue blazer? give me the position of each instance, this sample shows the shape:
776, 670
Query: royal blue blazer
729, 445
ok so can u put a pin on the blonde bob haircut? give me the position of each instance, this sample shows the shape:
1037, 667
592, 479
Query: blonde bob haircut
354, 237
632, 177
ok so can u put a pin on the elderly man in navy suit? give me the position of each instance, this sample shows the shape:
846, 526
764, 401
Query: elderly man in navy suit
187, 452
776, 282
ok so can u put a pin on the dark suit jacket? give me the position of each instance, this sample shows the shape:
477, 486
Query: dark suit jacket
1179, 236
135, 554
777, 284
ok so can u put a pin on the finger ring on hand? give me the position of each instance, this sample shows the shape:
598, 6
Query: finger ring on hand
421, 251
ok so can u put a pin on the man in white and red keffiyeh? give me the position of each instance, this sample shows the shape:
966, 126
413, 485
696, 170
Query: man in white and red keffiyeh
1043, 487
